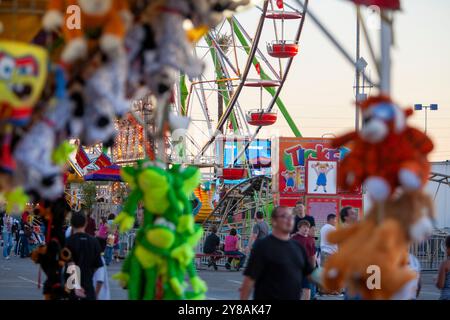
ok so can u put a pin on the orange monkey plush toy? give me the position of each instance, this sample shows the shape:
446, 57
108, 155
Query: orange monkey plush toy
384, 244
386, 152
104, 21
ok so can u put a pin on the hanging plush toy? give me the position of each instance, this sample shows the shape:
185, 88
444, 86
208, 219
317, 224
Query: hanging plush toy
42, 151
52, 257
164, 249
391, 159
384, 244
98, 96
386, 153
100, 22
23, 71
173, 50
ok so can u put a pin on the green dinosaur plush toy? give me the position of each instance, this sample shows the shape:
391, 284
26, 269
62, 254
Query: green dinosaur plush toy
164, 249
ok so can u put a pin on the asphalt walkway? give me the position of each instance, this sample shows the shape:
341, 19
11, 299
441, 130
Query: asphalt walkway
19, 281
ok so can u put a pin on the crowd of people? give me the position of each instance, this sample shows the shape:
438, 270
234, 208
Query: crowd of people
92, 246
282, 262
21, 236
281, 258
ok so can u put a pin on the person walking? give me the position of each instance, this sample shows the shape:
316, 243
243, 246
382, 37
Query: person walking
300, 214
86, 255
16, 236
101, 279
25, 234
443, 279
327, 248
90, 225
7, 236
277, 264
231, 248
103, 228
348, 216
260, 230
308, 243
116, 247
211, 246
109, 249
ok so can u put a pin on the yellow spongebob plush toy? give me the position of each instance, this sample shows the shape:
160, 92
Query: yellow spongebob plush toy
23, 71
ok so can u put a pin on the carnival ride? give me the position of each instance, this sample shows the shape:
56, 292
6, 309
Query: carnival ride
218, 103
239, 58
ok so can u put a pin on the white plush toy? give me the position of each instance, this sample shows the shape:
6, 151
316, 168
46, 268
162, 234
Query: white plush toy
33, 153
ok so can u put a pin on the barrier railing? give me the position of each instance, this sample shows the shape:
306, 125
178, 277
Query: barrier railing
431, 252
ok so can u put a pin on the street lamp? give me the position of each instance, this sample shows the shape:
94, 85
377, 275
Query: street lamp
432, 107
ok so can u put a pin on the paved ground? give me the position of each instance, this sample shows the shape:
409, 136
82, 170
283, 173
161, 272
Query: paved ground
19, 279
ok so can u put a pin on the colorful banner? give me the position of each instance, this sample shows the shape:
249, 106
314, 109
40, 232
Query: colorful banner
82, 158
307, 167
103, 161
292, 155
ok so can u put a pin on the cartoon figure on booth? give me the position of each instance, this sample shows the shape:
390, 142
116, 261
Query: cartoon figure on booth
322, 170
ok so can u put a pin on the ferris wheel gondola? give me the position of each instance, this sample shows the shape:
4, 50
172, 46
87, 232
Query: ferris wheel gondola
223, 90
261, 117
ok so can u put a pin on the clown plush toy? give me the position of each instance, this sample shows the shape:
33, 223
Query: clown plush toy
386, 152
100, 20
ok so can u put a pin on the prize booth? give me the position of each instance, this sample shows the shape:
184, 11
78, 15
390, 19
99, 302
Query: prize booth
306, 169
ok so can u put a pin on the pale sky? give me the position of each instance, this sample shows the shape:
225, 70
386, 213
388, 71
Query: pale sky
319, 90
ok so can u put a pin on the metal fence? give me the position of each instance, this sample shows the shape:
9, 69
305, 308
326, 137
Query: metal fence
431, 252
126, 242
103, 209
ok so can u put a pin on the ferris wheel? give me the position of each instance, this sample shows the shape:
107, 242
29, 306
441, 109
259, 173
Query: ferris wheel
247, 59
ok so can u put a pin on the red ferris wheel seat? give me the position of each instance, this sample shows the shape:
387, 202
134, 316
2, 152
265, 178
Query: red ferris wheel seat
261, 83
383, 4
283, 15
261, 118
233, 173
282, 49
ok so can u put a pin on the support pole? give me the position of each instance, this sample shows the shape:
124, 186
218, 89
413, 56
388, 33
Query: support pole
386, 41
358, 71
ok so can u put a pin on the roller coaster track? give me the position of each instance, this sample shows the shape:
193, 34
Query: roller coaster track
250, 194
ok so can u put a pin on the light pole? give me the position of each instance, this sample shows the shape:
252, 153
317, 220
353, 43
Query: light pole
432, 107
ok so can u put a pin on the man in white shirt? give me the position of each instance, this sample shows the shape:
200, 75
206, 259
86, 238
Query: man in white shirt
411, 290
100, 278
326, 248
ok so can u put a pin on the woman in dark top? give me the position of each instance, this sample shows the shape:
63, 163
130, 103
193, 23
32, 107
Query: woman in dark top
211, 246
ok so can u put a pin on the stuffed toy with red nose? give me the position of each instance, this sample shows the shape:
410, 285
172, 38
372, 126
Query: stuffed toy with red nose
386, 152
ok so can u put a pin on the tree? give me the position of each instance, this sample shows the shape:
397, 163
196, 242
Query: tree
89, 194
